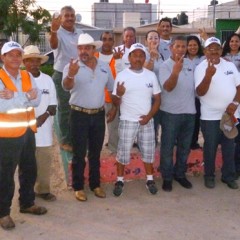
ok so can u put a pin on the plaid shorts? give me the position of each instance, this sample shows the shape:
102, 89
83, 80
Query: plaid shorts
128, 131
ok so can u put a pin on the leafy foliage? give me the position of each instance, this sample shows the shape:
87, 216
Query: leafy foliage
48, 69
24, 15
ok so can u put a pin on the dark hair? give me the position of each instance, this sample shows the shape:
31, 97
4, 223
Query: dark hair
166, 19
196, 39
152, 31
129, 29
226, 47
106, 32
178, 37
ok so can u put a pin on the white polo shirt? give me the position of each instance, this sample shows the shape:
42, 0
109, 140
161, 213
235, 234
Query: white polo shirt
222, 89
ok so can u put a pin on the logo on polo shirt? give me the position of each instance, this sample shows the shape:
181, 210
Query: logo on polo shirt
228, 72
149, 85
45, 91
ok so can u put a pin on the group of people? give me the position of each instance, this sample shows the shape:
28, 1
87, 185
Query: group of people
171, 82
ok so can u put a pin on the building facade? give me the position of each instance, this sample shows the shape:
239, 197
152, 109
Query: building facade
112, 15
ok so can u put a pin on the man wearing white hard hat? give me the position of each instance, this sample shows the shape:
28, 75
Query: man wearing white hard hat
32, 60
217, 84
86, 78
18, 96
134, 89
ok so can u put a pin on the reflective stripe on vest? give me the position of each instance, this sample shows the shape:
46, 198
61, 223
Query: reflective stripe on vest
15, 122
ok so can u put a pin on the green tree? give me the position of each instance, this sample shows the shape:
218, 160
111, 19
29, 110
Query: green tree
23, 15
4, 6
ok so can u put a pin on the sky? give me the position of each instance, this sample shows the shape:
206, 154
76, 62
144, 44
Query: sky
169, 8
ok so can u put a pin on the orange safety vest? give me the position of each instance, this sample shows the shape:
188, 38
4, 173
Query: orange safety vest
15, 122
112, 63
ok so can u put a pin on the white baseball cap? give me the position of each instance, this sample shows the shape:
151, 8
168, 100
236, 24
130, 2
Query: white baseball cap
212, 40
136, 46
9, 46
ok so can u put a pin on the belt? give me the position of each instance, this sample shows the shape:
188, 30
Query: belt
87, 110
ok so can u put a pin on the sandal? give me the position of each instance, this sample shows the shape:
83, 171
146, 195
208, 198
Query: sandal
35, 210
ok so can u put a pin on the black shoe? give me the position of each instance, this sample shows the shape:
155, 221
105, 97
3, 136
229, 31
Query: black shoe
167, 185
231, 184
183, 182
150, 185
118, 188
209, 182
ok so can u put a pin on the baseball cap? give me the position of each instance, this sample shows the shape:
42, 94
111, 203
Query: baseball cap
228, 127
212, 40
9, 46
136, 46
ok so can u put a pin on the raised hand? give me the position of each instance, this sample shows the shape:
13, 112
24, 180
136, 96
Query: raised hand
210, 71
117, 54
203, 33
177, 68
153, 50
56, 22
73, 67
120, 89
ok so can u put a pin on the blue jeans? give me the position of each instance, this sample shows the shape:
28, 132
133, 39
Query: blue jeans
237, 150
176, 129
63, 112
17, 151
87, 134
197, 122
213, 135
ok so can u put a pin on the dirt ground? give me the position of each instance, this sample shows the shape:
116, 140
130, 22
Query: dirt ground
196, 214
